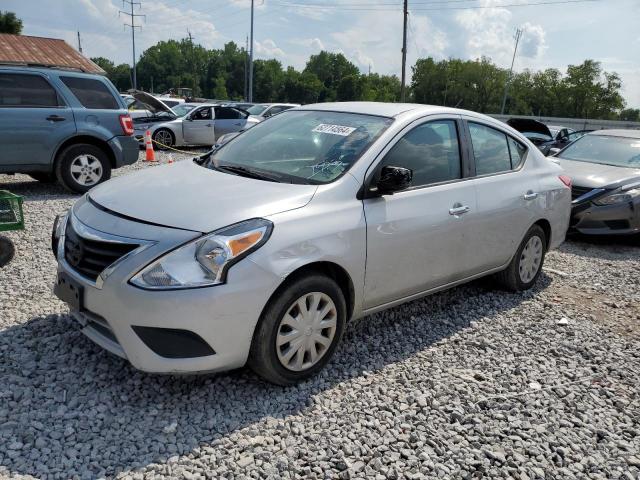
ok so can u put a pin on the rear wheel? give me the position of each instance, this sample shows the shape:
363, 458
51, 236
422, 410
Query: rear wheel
299, 330
526, 266
81, 167
7, 251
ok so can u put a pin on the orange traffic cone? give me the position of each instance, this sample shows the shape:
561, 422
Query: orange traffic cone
151, 155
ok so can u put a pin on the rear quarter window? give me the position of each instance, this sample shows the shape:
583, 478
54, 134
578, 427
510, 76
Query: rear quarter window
91, 93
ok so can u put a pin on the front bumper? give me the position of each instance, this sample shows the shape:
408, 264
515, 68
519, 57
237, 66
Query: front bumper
114, 312
591, 219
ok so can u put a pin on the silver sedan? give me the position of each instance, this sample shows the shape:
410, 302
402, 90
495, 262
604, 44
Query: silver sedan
262, 250
188, 124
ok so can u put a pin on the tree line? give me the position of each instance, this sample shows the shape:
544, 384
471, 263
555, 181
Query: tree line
582, 91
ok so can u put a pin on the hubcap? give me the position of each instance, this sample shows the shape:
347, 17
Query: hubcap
86, 170
306, 331
164, 137
530, 259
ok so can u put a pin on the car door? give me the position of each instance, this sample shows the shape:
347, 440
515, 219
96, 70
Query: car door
229, 120
506, 189
34, 120
419, 239
198, 127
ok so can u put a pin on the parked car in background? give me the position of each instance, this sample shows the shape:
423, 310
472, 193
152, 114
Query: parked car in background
605, 168
545, 137
202, 124
64, 125
261, 111
260, 251
240, 105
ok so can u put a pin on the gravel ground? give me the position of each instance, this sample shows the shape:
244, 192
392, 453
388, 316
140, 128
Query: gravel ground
470, 383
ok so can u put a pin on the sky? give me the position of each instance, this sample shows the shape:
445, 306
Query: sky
368, 32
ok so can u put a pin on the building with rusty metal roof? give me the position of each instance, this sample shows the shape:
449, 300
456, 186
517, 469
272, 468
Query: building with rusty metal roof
43, 52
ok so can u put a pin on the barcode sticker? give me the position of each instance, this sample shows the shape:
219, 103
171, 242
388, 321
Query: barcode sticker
334, 129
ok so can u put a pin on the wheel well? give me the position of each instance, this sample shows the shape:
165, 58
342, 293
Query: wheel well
546, 227
101, 144
331, 270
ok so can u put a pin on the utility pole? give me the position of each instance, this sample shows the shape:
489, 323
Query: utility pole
404, 50
250, 99
246, 69
132, 16
79, 43
518, 34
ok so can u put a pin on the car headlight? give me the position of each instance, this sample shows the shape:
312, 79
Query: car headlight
204, 262
619, 197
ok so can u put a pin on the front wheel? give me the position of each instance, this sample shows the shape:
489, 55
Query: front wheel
299, 330
526, 266
163, 138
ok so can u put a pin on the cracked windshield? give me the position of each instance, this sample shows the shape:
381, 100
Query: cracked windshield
303, 146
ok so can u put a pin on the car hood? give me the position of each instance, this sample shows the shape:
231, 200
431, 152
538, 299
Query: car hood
596, 175
155, 104
187, 196
528, 125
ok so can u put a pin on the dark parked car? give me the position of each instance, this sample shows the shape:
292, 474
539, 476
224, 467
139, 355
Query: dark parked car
545, 137
605, 168
64, 125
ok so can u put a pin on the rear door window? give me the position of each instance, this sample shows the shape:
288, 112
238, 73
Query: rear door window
18, 90
228, 113
490, 149
91, 93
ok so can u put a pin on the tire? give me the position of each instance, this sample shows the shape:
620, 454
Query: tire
43, 177
71, 162
526, 265
7, 251
268, 360
163, 136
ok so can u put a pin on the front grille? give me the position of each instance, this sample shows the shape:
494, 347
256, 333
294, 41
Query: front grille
577, 192
91, 257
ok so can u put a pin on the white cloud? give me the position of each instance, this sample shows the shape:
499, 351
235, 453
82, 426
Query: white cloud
490, 32
268, 49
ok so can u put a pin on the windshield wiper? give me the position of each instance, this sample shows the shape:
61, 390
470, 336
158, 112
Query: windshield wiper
248, 172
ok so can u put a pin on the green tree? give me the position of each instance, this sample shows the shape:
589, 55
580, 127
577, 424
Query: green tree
630, 115
9, 23
330, 68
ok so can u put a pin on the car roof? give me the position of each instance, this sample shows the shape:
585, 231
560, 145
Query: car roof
382, 109
617, 133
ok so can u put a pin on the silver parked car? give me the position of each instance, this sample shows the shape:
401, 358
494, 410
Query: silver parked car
605, 169
262, 111
188, 124
261, 251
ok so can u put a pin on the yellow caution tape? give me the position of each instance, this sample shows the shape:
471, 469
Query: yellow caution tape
171, 148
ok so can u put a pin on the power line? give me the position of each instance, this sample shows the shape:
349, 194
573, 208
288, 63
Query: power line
388, 7
132, 16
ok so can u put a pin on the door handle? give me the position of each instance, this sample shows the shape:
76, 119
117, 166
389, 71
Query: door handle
237, 124
55, 118
458, 209
530, 195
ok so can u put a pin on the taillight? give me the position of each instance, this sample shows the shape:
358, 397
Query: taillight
566, 180
127, 124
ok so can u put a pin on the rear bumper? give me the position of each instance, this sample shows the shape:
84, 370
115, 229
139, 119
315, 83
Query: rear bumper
591, 219
125, 150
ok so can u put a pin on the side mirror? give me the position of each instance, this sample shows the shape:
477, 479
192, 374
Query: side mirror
394, 179
553, 152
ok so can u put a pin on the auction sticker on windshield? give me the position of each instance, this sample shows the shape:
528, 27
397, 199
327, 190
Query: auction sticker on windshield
334, 129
